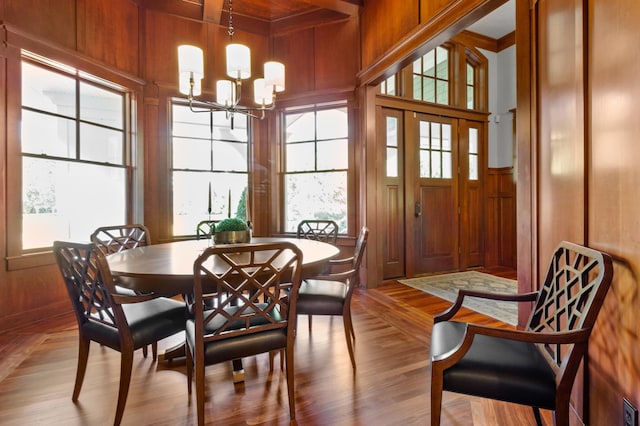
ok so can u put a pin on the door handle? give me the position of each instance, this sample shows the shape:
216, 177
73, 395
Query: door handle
418, 209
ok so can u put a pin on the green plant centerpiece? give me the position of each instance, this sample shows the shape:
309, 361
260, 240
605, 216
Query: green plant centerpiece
231, 230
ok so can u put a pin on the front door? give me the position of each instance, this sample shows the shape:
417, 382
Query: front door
431, 184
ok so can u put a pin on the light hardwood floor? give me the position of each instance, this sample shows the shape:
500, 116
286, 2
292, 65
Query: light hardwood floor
389, 387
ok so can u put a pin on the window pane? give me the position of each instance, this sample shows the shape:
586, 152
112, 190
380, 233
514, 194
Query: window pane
48, 91
473, 167
194, 154
101, 106
332, 123
46, 134
187, 123
191, 198
425, 164
300, 157
429, 94
436, 167
300, 127
50, 200
473, 141
446, 165
470, 75
442, 56
446, 137
316, 196
101, 144
230, 156
425, 134
470, 100
391, 85
392, 131
333, 155
442, 91
429, 64
417, 87
435, 136
392, 162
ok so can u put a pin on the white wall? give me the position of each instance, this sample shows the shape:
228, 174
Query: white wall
502, 98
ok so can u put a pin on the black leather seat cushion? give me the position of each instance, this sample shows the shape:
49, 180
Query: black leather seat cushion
319, 297
240, 346
495, 368
148, 321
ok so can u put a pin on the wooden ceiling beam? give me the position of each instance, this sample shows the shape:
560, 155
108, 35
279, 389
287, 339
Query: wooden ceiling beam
350, 8
212, 11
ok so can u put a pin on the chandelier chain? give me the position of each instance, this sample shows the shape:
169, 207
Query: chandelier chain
231, 31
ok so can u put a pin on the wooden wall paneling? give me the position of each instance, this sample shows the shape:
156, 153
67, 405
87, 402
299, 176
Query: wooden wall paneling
507, 255
297, 51
492, 219
561, 194
108, 32
52, 20
337, 55
161, 47
613, 204
384, 24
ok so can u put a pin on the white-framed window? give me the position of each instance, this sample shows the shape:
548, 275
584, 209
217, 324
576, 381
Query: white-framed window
75, 150
316, 165
431, 76
209, 167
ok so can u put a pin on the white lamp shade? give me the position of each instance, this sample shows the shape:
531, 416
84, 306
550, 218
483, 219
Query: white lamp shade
225, 92
262, 94
190, 60
238, 61
274, 75
185, 84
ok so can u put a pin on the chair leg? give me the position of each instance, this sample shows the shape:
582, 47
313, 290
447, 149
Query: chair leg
200, 387
536, 414
347, 333
189, 362
309, 322
290, 382
144, 351
561, 415
154, 351
126, 365
436, 397
81, 368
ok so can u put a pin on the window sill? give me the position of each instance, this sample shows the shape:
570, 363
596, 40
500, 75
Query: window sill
32, 260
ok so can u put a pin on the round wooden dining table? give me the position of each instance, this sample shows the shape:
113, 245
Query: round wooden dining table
167, 269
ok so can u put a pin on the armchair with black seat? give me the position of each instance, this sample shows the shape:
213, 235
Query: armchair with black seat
254, 290
118, 238
535, 366
318, 230
330, 294
120, 321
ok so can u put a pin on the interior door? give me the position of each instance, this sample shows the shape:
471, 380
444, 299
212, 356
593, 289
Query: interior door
432, 207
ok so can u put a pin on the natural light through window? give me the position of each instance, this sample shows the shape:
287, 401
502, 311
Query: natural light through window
74, 174
316, 165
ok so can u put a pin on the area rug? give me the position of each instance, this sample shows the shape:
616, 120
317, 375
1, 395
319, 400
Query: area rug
446, 286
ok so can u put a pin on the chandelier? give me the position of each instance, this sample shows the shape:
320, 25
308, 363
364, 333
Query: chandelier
228, 91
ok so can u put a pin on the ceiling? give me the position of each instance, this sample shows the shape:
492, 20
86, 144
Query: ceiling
498, 23
272, 16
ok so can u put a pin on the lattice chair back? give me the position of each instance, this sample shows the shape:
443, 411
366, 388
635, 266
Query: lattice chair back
206, 228
114, 239
573, 291
254, 288
319, 230
89, 293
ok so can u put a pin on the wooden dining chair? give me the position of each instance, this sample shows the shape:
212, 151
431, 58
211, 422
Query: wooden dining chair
206, 228
119, 321
319, 230
255, 287
117, 238
535, 366
330, 294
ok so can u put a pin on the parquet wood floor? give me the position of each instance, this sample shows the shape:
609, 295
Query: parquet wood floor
390, 386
